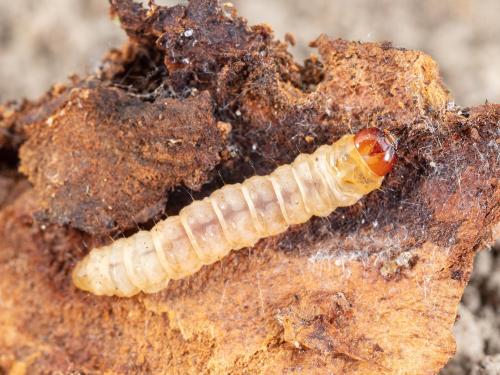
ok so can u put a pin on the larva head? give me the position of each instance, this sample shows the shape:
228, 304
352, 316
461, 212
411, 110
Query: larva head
377, 149
360, 162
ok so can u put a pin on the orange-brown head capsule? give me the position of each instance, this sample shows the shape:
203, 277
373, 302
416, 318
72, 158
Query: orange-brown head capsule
377, 149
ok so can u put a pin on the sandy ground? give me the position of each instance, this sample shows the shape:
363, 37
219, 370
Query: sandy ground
43, 41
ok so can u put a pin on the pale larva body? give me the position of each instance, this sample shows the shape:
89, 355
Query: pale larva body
231, 218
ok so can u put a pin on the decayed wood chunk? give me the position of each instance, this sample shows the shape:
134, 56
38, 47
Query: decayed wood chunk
373, 288
102, 141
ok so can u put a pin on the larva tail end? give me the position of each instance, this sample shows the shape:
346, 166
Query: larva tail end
377, 149
80, 276
88, 277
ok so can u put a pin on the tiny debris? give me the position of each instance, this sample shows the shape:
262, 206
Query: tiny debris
475, 134
290, 39
224, 127
393, 267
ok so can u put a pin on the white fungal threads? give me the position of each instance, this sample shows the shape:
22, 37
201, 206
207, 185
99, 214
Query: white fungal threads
231, 218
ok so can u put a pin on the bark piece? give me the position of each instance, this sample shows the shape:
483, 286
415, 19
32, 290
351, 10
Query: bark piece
106, 159
15, 117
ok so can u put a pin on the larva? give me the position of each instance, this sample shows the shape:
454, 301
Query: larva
238, 215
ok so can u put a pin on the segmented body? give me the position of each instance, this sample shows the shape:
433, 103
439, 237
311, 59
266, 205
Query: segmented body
231, 218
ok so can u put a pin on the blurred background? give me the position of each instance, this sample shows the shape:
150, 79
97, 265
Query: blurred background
44, 41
